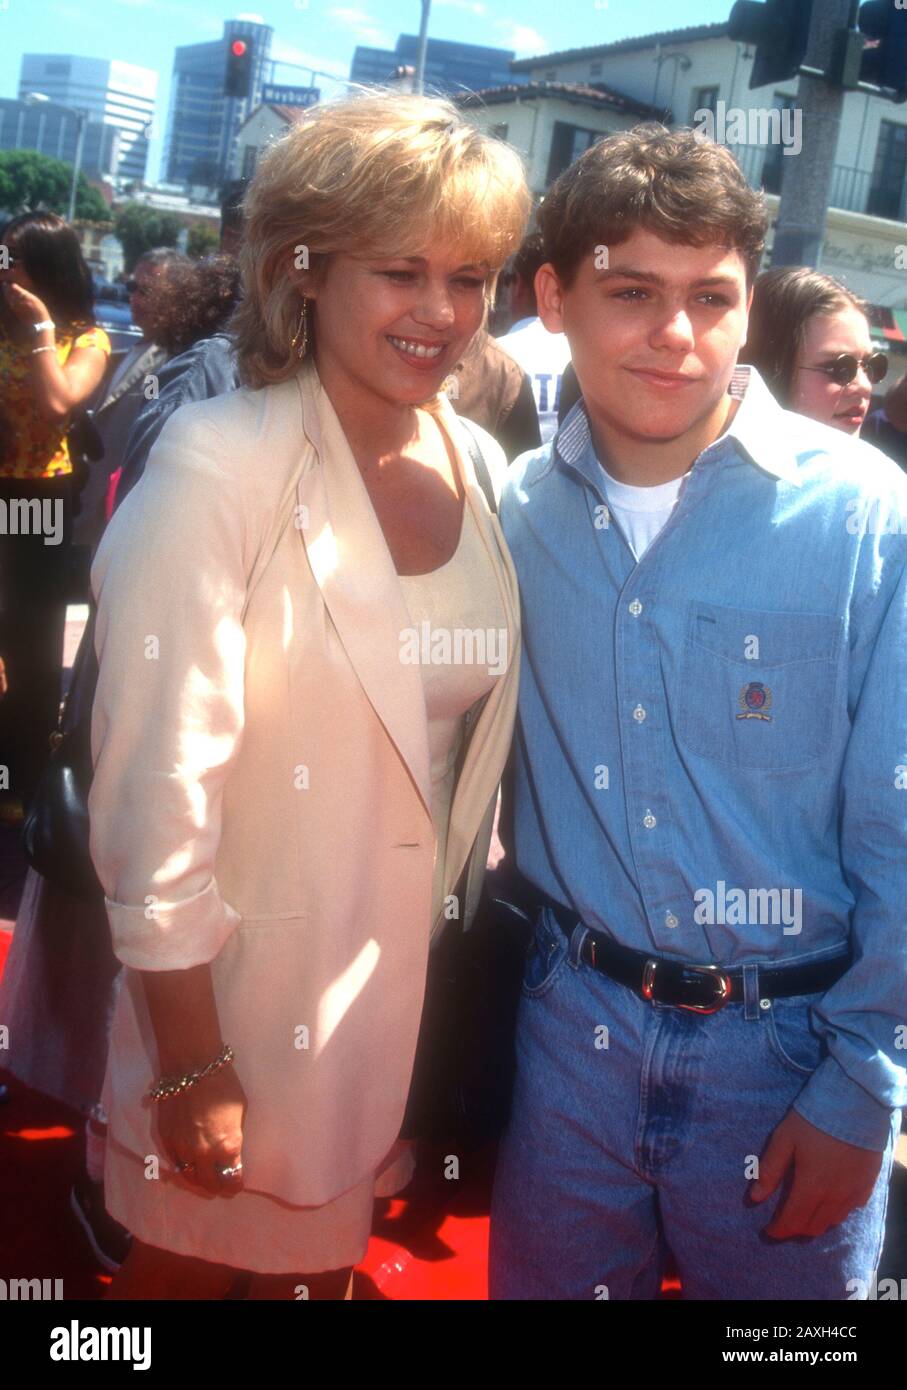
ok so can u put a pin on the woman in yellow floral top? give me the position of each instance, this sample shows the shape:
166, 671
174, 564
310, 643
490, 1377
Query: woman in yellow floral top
52, 359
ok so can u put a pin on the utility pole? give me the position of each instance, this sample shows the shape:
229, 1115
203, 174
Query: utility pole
82, 118
419, 80
806, 185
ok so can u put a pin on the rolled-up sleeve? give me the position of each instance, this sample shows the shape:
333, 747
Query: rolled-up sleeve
170, 582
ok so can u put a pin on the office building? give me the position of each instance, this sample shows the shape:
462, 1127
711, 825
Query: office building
118, 95
51, 131
203, 123
449, 67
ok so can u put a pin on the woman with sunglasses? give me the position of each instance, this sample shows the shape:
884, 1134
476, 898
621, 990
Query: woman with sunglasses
809, 340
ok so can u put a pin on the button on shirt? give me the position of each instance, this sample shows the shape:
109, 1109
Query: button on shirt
712, 752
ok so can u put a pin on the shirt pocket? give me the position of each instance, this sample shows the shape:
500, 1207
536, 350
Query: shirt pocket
759, 690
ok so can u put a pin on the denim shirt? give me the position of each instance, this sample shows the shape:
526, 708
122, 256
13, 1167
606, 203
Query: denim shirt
712, 743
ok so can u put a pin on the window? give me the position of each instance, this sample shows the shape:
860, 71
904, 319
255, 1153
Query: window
704, 99
499, 132
249, 160
595, 70
568, 142
551, 76
887, 188
773, 167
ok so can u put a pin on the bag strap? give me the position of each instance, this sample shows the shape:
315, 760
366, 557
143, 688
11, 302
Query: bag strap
483, 477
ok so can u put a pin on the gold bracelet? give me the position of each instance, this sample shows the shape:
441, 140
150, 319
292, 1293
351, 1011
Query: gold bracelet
52, 348
169, 1086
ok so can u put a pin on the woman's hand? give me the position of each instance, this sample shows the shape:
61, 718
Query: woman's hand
202, 1127
27, 307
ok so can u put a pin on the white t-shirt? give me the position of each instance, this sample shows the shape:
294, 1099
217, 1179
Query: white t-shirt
641, 512
543, 356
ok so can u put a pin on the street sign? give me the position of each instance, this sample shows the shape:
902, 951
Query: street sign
277, 94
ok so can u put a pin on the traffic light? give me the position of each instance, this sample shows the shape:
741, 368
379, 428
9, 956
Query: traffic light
780, 31
886, 64
238, 78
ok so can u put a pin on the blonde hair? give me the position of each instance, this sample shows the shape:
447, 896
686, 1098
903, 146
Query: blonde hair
381, 174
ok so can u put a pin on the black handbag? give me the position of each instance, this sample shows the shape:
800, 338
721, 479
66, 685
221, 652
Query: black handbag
55, 830
465, 1060
85, 448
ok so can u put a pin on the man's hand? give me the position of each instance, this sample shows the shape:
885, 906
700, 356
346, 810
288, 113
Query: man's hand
830, 1178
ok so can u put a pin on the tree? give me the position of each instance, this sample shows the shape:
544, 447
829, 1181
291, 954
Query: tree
141, 228
202, 241
31, 182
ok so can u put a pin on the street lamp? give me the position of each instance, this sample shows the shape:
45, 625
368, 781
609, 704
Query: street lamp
419, 83
37, 98
680, 60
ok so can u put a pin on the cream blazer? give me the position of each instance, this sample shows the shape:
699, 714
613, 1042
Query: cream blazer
261, 795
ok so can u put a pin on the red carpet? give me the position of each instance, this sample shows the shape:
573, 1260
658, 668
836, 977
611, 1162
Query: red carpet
433, 1245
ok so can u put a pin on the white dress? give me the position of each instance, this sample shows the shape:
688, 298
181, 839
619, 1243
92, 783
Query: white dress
253, 1230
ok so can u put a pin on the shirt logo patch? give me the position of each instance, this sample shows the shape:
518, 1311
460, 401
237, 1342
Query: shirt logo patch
755, 698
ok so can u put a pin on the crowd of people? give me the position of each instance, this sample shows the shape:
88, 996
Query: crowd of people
647, 504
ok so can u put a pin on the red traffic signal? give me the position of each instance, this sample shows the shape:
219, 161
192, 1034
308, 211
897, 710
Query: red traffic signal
238, 77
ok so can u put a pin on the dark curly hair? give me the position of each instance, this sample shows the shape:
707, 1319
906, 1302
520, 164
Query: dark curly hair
193, 301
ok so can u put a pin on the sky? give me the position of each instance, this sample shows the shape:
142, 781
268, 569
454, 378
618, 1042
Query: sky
318, 33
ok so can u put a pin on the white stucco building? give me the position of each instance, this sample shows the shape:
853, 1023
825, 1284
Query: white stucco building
671, 76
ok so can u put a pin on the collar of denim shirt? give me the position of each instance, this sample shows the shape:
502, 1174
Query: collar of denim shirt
759, 430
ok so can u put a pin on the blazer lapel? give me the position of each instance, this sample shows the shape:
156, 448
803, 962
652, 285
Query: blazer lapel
353, 568
490, 727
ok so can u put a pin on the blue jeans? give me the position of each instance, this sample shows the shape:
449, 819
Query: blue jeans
634, 1130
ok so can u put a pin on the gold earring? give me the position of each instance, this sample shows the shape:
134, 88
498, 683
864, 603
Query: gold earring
302, 329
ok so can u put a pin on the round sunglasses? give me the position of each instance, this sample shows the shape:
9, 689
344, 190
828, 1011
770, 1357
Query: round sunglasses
843, 368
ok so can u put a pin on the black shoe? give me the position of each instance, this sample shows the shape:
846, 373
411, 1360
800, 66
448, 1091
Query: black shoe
109, 1240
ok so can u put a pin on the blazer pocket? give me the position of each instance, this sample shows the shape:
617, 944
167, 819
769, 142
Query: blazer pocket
759, 690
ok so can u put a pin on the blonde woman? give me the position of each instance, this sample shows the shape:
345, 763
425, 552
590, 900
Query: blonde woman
296, 758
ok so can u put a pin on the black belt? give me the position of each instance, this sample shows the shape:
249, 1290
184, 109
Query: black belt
703, 988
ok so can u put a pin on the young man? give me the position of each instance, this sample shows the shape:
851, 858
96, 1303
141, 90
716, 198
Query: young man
542, 355
711, 779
